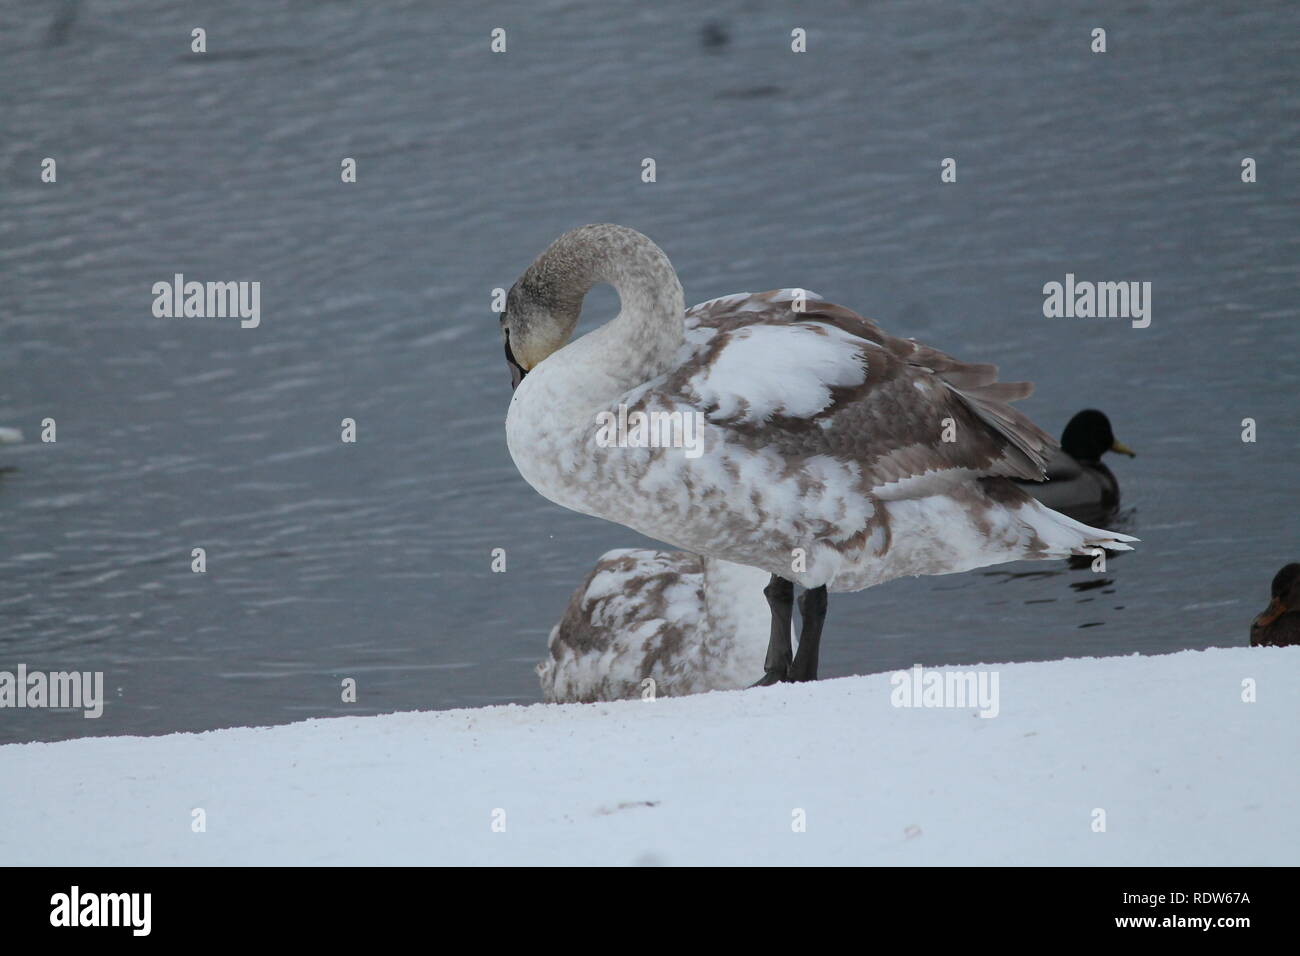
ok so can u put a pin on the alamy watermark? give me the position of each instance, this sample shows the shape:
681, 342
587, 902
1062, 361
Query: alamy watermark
67, 690
1101, 300
919, 687
213, 300
129, 910
655, 429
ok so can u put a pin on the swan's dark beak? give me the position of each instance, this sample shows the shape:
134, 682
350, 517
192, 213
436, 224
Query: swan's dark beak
1120, 448
517, 372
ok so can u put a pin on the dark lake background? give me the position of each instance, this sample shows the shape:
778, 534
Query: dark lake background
328, 560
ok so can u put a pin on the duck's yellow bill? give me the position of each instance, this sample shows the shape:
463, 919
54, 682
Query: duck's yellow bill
1123, 449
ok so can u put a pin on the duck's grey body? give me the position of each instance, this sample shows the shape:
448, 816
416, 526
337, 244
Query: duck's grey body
1087, 493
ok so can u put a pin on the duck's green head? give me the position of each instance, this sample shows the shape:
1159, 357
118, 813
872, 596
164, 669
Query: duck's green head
1088, 437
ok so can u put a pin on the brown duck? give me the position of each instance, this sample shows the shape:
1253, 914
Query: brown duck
1279, 625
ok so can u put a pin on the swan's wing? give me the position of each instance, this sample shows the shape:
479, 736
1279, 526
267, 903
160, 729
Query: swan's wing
789, 369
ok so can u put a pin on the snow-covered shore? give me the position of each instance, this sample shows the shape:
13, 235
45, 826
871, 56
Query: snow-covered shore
1185, 771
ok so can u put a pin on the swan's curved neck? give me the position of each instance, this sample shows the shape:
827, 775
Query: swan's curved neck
641, 341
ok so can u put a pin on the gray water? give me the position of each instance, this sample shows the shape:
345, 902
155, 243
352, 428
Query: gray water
329, 560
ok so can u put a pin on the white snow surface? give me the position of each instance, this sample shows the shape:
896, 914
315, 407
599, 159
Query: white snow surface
1185, 770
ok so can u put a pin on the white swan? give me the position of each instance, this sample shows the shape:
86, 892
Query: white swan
688, 623
825, 457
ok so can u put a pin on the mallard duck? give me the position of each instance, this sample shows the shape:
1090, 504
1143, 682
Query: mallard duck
775, 430
1078, 484
687, 623
1279, 625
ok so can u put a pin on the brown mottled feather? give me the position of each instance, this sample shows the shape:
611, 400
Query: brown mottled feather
876, 423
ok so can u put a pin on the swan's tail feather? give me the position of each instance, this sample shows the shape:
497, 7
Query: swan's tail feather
1060, 536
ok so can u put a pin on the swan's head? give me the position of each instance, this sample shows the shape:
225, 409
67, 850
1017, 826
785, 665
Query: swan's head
542, 308
538, 320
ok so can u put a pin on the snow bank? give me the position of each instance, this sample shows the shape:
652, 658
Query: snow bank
1185, 771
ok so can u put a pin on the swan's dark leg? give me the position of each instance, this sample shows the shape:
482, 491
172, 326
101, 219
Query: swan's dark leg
812, 608
780, 598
